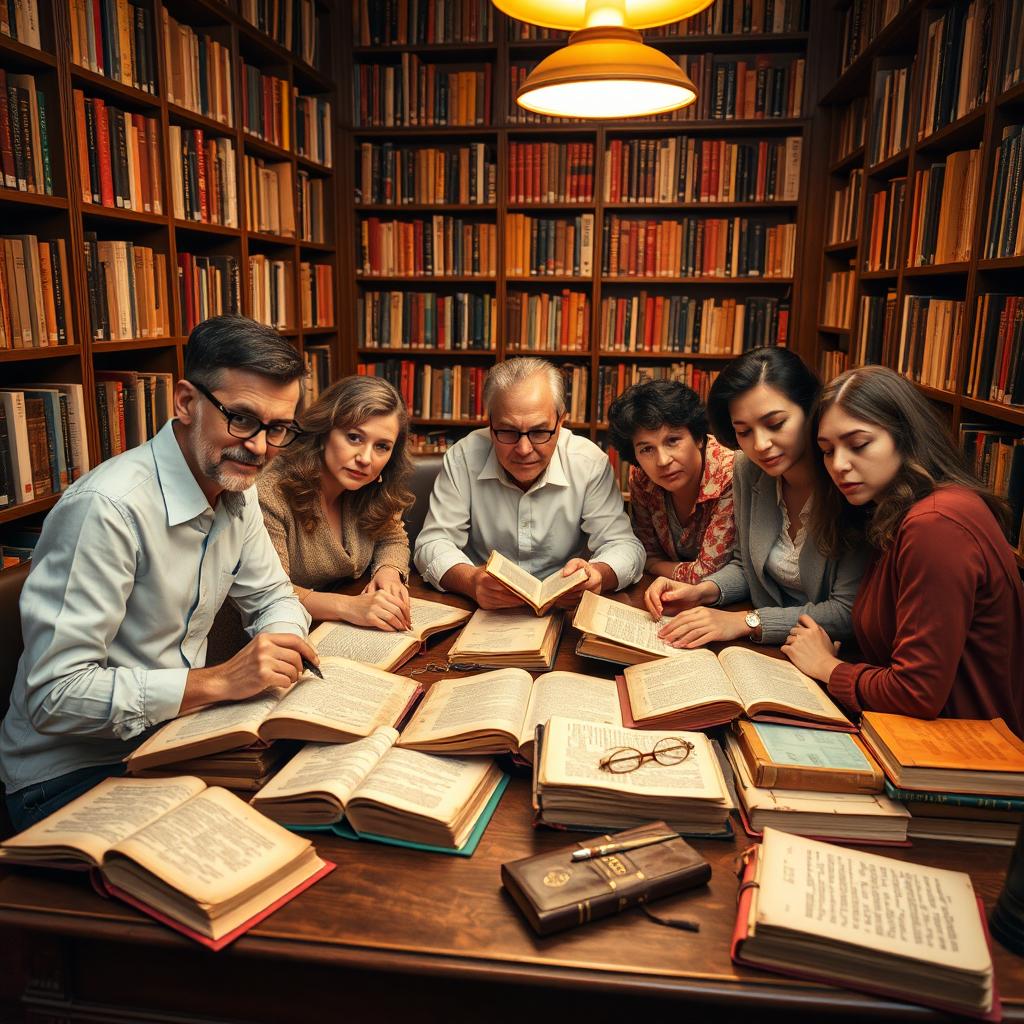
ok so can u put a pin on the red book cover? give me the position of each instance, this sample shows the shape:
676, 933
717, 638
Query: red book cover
6, 148
649, 313
204, 207
103, 148
650, 261
615, 159
142, 143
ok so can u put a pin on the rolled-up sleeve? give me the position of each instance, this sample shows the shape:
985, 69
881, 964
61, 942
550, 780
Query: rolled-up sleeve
610, 537
441, 543
73, 604
261, 589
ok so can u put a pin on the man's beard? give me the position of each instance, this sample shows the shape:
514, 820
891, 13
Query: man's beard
213, 463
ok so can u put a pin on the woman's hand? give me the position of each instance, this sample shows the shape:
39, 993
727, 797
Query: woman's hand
696, 627
389, 580
664, 591
809, 648
381, 605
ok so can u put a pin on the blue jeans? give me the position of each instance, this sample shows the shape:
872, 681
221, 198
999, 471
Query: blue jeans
33, 803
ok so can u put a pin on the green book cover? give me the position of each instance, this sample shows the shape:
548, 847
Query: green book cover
819, 748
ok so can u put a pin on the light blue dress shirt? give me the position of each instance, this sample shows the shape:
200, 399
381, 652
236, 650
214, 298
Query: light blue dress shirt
573, 508
130, 570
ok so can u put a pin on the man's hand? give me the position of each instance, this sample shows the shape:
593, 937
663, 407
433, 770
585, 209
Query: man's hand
489, 593
268, 660
594, 582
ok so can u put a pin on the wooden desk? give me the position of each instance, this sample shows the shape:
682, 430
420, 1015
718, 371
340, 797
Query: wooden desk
394, 932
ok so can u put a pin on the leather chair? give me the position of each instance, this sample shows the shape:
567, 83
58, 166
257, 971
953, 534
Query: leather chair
11, 582
421, 483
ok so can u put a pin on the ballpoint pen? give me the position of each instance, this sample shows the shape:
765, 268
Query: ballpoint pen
311, 668
604, 849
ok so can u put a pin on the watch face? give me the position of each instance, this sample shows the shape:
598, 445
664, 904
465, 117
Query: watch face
752, 619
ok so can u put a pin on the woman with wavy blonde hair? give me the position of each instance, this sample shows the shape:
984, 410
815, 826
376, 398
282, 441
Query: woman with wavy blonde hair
333, 504
939, 616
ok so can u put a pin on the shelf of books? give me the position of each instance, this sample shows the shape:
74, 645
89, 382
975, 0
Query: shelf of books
620, 251
158, 164
922, 270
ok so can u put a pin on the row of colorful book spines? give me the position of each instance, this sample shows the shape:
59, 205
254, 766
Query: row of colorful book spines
1006, 216
114, 38
204, 68
43, 450
418, 22
423, 319
457, 247
996, 457
613, 380
24, 135
862, 21
134, 279
429, 95
207, 286
548, 321
205, 188
433, 392
34, 311
450, 180
995, 368
271, 108
292, 24
20, 21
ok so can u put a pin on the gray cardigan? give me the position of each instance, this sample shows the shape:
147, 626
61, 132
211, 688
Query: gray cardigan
829, 585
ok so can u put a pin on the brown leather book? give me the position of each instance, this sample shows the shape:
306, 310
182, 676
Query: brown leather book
555, 892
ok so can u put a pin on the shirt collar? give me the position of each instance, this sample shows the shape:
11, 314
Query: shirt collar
554, 473
183, 497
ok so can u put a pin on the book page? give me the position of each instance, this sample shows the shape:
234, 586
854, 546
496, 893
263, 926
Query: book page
368, 646
505, 630
871, 901
351, 697
622, 623
335, 768
688, 680
758, 677
513, 576
556, 584
212, 847
427, 615
491, 701
210, 722
571, 695
573, 750
425, 784
108, 813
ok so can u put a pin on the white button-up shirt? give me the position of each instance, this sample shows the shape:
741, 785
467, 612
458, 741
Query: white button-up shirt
573, 508
131, 568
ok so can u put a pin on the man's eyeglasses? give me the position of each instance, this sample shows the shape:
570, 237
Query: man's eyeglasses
243, 425
667, 751
537, 436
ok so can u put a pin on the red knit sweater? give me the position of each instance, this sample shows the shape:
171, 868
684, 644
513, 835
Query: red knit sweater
940, 619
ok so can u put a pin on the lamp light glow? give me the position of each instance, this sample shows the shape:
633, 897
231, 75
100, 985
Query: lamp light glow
572, 15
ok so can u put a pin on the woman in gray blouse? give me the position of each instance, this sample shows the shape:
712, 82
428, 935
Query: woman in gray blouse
761, 403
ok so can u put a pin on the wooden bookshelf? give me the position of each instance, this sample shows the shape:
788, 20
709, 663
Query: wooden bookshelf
66, 216
501, 129
904, 39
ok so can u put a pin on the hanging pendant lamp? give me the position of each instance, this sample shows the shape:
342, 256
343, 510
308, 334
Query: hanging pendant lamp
606, 70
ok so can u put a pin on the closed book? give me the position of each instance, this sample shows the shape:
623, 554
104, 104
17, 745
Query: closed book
555, 893
822, 761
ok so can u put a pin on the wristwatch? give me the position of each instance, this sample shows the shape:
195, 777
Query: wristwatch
753, 621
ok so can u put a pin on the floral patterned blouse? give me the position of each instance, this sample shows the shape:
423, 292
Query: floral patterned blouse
705, 541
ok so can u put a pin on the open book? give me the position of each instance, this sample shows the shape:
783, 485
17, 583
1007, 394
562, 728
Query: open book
540, 595
871, 923
509, 637
198, 859
571, 789
386, 793
618, 632
498, 712
699, 689
349, 702
381, 649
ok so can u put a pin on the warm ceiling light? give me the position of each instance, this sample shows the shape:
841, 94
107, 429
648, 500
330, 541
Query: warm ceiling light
573, 15
606, 72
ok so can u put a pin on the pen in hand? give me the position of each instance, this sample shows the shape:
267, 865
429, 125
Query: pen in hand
311, 668
605, 849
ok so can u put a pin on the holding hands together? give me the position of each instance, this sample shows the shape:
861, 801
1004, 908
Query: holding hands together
809, 648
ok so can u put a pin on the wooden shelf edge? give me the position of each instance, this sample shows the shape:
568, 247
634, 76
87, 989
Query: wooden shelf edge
17, 355
28, 508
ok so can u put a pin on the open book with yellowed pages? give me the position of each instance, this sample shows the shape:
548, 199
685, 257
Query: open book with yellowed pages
349, 702
383, 792
498, 712
698, 689
382, 649
197, 858
508, 637
867, 922
571, 789
539, 594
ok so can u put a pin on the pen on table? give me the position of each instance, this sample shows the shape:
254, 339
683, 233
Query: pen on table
604, 849
311, 668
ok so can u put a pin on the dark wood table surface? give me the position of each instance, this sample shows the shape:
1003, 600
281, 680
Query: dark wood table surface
397, 931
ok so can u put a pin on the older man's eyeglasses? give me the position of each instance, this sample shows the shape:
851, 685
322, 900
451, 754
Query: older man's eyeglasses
667, 751
536, 436
245, 426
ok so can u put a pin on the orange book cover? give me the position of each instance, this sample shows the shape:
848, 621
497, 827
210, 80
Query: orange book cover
956, 743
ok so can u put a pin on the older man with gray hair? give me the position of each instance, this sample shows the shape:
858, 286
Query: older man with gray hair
528, 487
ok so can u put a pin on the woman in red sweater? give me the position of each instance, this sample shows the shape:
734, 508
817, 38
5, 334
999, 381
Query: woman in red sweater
939, 616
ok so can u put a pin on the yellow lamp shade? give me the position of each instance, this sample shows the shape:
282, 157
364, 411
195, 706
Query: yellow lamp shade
606, 73
573, 15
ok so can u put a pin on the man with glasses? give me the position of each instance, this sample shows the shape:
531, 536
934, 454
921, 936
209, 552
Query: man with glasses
529, 488
133, 564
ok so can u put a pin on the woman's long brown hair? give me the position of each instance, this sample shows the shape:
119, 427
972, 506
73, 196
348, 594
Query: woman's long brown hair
930, 459
348, 403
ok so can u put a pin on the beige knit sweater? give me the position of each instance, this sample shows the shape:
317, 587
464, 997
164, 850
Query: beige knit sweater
318, 558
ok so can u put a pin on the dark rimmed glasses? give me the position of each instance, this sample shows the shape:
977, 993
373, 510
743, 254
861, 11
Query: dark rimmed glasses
539, 435
667, 751
245, 426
